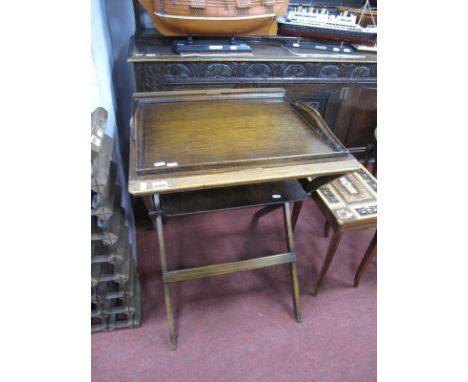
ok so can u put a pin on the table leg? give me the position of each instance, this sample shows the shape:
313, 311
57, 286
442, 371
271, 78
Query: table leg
374, 167
326, 228
149, 205
266, 210
292, 265
368, 256
167, 294
335, 241
295, 291
295, 214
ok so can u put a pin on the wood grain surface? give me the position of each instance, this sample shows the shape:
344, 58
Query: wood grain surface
202, 139
225, 132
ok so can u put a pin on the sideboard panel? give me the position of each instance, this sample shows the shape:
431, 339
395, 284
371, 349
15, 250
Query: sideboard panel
343, 91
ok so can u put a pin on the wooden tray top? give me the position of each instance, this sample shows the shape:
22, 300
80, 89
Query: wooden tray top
189, 139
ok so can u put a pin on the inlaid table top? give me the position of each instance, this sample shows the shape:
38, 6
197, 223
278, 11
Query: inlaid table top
352, 198
188, 140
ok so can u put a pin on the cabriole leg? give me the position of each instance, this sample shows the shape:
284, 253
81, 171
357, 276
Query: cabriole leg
335, 241
266, 210
368, 256
295, 214
326, 228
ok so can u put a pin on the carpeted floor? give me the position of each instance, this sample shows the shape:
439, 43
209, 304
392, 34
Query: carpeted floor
240, 327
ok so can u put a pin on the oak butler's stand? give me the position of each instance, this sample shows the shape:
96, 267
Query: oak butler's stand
210, 150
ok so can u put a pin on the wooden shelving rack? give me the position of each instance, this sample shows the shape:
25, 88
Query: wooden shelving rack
115, 286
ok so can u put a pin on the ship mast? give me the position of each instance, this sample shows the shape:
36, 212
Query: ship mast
366, 6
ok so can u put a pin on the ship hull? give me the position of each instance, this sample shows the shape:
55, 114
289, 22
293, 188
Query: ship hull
203, 26
215, 17
327, 34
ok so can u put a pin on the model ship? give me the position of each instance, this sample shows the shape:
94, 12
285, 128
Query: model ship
215, 17
369, 15
328, 23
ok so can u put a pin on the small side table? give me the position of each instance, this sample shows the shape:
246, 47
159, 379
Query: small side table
348, 203
222, 199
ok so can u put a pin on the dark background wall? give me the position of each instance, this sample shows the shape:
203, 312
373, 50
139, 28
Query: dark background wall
112, 24
121, 25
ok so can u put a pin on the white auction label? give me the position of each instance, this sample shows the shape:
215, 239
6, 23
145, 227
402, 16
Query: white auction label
143, 186
159, 164
160, 185
172, 164
276, 196
95, 140
215, 47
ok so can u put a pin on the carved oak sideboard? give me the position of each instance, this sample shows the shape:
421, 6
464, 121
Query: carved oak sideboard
343, 88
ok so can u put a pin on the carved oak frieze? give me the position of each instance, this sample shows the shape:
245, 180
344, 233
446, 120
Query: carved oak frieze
330, 71
219, 71
295, 70
259, 70
180, 71
337, 87
360, 71
152, 76
158, 75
